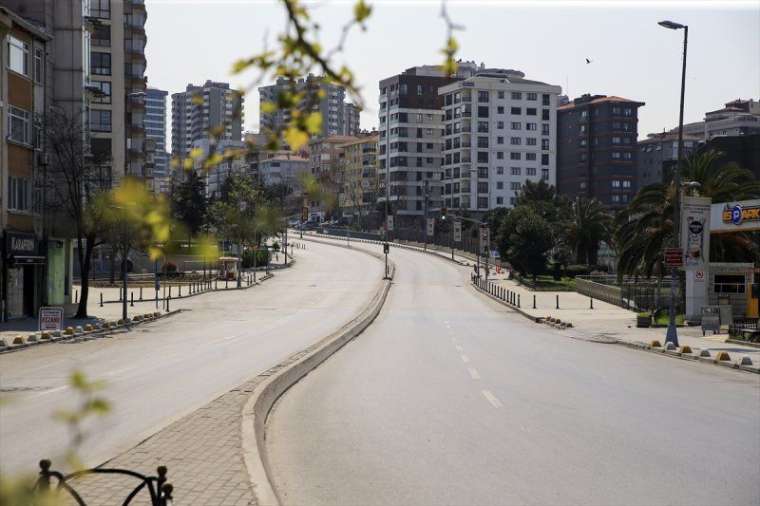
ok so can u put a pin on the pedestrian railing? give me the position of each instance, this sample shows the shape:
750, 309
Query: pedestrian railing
159, 490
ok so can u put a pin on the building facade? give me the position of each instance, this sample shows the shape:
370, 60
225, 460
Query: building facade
283, 168
338, 117
202, 112
359, 177
597, 151
155, 130
657, 157
499, 132
410, 141
325, 164
738, 117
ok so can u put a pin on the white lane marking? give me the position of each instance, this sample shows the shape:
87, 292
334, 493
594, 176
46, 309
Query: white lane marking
459, 348
228, 338
52, 390
473, 373
496, 403
465, 358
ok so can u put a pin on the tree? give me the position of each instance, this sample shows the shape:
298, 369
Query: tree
79, 180
189, 204
233, 213
588, 224
645, 227
525, 239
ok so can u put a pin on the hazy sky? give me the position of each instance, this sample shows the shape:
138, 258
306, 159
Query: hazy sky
194, 40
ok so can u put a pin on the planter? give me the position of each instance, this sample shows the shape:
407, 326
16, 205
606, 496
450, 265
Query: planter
643, 321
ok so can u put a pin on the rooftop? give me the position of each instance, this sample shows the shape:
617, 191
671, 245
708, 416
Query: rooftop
598, 99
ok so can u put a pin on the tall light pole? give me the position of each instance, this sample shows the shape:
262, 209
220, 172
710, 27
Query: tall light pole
672, 333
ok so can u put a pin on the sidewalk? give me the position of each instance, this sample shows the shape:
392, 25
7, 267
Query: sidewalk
613, 322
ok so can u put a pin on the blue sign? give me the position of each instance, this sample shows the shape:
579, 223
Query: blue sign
736, 214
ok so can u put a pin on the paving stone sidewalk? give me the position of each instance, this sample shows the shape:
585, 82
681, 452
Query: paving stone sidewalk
202, 452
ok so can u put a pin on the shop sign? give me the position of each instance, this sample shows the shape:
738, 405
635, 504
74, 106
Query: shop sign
51, 318
20, 243
736, 216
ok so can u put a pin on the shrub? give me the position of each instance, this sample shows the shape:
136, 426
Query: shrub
262, 258
576, 270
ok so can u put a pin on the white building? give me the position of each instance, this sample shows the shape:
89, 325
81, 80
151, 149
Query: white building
739, 117
500, 130
283, 168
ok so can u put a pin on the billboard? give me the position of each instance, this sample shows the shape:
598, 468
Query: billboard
741, 216
457, 231
695, 231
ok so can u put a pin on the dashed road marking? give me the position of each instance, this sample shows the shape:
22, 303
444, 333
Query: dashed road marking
496, 403
465, 359
473, 373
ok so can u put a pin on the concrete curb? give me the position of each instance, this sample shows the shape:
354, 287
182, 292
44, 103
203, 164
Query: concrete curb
534, 319
103, 329
281, 377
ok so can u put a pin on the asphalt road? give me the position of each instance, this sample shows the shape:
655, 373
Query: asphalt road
450, 399
163, 370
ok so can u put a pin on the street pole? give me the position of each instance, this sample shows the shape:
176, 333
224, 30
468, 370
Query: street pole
672, 332
425, 203
124, 285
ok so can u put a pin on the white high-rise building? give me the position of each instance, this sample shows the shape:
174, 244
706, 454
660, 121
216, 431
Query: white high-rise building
500, 130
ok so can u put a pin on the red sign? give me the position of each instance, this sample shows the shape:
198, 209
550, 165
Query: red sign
674, 257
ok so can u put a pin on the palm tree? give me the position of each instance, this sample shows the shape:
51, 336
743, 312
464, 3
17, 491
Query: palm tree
588, 224
646, 225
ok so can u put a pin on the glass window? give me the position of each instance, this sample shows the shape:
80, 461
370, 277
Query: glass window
19, 193
516, 95
545, 114
500, 124
530, 156
516, 125
532, 96
514, 185
482, 111
500, 140
482, 96
515, 141
18, 55
545, 99
500, 109
18, 124
500, 155
100, 63
544, 160
531, 126
545, 174
100, 121
530, 171
101, 36
103, 93
530, 141
531, 111
500, 94
516, 110
500, 170
515, 171
100, 9
514, 156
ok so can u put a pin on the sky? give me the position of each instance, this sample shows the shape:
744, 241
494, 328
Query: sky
190, 41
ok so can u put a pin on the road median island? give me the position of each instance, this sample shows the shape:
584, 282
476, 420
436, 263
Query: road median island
281, 377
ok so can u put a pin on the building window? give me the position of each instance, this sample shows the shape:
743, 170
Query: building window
100, 9
616, 198
19, 194
482, 202
39, 57
544, 159
103, 93
531, 126
419, 90
532, 96
500, 94
515, 171
482, 186
482, 96
545, 144
544, 128
500, 171
500, 140
514, 156
516, 111
545, 99
545, 174
18, 55
615, 183
627, 156
530, 111
483, 172
616, 155
101, 36
729, 283
516, 125
500, 109
545, 114
530, 156
530, 171
500, 185
499, 201
482, 142
500, 125
515, 186
100, 63
531, 141
516, 95
626, 184
100, 121
616, 140
482, 156
515, 141
483, 111
18, 125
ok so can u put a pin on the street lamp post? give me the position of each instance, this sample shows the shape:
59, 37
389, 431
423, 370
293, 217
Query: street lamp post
672, 333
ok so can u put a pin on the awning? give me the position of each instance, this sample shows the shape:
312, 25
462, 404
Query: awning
27, 260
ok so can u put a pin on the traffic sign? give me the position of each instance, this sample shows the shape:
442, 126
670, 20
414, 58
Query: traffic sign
457, 231
674, 257
431, 227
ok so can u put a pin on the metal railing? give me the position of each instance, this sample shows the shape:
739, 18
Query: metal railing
158, 488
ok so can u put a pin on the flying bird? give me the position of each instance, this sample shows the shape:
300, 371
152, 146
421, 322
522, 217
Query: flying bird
588, 61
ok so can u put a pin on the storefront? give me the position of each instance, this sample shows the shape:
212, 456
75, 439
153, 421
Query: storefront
23, 272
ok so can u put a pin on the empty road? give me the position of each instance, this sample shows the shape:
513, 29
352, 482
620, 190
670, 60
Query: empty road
450, 399
163, 370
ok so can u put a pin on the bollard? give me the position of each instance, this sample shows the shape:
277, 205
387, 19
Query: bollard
131, 299
101, 299
557, 301
141, 293
591, 303
179, 289
170, 290
216, 284
167, 303
226, 284
76, 296
518, 301
534, 302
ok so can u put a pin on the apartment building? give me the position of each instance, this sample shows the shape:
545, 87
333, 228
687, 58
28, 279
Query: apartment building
325, 163
359, 177
499, 132
658, 155
738, 117
338, 117
24, 88
410, 140
155, 131
597, 149
283, 167
200, 112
